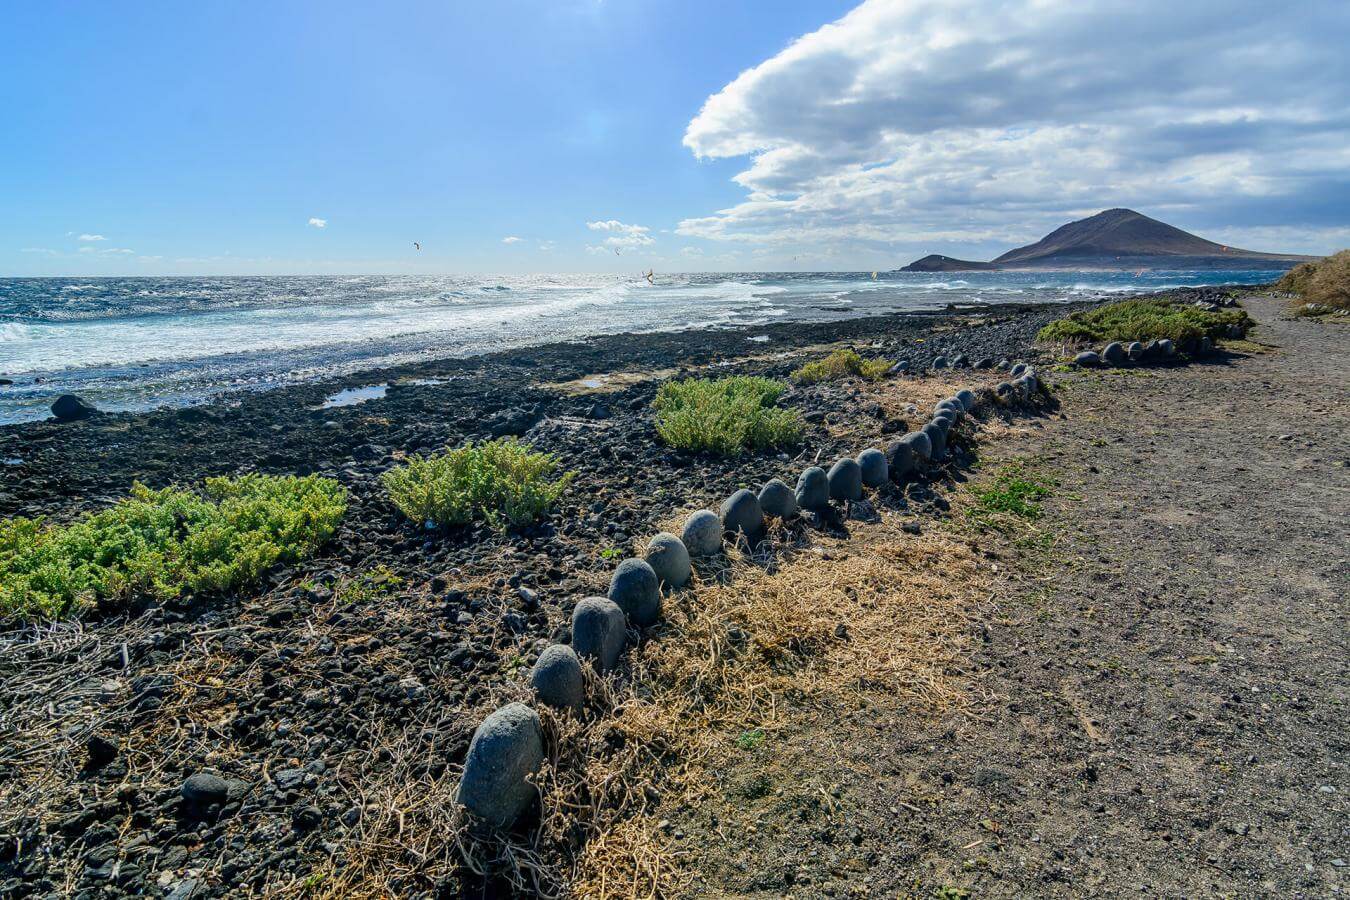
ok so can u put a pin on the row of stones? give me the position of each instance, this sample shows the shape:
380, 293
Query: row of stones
508, 747
1118, 354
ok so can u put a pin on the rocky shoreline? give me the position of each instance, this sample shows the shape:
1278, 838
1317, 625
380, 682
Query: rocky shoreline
295, 692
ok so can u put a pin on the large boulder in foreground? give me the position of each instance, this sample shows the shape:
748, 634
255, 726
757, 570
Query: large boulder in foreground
599, 632
636, 591
506, 750
70, 408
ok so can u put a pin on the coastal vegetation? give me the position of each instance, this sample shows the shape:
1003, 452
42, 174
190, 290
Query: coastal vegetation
1323, 285
163, 543
503, 482
725, 415
1142, 320
841, 363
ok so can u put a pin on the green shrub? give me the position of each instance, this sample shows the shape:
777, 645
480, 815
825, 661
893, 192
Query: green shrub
502, 482
1141, 320
162, 543
725, 415
1326, 281
841, 364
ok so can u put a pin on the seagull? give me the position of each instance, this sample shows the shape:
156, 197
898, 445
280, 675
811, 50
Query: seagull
417, 245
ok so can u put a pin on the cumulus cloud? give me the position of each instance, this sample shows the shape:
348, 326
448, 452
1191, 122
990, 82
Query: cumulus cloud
316, 222
987, 122
91, 237
621, 236
512, 239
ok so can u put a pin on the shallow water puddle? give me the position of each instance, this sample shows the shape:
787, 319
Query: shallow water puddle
356, 395
759, 339
11, 461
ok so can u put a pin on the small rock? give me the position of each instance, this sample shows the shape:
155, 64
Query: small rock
634, 588
966, 398
940, 362
702, 534
899, 458
920, 446
1135, 351
937, 438
598, 632
899, 368
506, 750
845, 480
203, 789
1113, 354
1087, 358
70, 408
557, 679
776, 499
813, 489
1017, 370
669, 559
741, 514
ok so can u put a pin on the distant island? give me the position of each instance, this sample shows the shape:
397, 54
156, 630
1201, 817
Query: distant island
1116, 239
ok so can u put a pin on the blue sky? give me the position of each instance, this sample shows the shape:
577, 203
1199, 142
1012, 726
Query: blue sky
214, 138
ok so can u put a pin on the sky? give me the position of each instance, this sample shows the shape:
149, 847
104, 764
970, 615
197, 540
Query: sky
522, 136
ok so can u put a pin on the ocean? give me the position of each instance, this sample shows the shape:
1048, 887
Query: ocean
137, 343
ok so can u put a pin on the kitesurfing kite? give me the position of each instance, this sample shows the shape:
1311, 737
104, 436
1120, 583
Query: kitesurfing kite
417, 245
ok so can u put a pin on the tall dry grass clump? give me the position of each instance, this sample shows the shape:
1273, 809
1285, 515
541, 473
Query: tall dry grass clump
1325, 282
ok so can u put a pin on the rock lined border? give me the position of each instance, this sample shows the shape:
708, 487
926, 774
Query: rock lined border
497, 786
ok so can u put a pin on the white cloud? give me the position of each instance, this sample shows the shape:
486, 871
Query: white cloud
91, 237
41, 250
512, 239
547, 245
621, 236
932, 123
316, 222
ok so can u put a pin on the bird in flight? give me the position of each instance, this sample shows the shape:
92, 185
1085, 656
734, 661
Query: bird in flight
417, 245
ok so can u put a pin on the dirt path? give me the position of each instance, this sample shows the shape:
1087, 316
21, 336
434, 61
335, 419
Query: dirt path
1170, 675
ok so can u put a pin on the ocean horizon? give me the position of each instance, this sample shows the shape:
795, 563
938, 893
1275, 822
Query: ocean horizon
136, 343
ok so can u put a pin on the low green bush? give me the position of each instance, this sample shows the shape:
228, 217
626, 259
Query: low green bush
1325, 282
841, 364
725, 415
1141, 320
502, 482
162, 543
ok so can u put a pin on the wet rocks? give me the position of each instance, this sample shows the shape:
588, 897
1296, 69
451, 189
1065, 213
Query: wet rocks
777, 499
1113, 354
813, 489
635, 590
1087, 359
598, 632
505, 751
669, 559
872, 468
557, 679
741, 514
70, 408
845, 480
702, 533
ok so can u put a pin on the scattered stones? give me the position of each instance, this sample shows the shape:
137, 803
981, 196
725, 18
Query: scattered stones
557, 678
776, 499
634, 588
204, 789
669, 559
741, 514
1113, 354
845, 479
70, 408
813, 489
505, 751
1087, 359
937, 438
702, 534
598, 632
873, 468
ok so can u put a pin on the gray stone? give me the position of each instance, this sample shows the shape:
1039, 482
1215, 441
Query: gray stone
984, 362
1135, 351
921, 448
776, 499
506, 750
873, 468
1087, 358
960, 361
1027, 385
634, 588
702, 534
1166, 348
1206, 345
966, 398
1005, 389
937, 437
845, 478
899, 368
557, 679
598, 632
813, 489
70, 408
940, 362
1113, 354
899, 459
203, 789
1018, 369
947, 416
741, 514
669, 559
952, 404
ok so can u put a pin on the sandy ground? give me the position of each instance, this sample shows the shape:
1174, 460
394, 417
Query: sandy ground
1165, 657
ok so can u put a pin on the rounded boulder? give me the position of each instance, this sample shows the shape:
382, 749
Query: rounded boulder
1135, 351
598, 632
702, 534
506, 750
813, 489
70, 408
845, 478
873, 468
1087, 359
921, 448
669, 559
1166, 348
557, 679
937, 439
939, 362
1113, 354
776, 499
741, 514
899, 458
635, 590
966, 398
